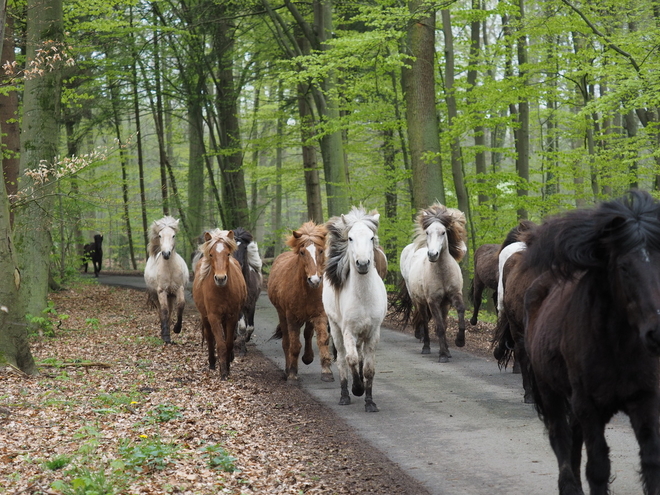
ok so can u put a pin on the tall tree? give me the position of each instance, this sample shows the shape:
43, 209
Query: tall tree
418, 83
39, 147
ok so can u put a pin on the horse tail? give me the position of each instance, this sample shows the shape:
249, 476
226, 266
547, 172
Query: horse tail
277, 334
152, 300
402, 304
502, 342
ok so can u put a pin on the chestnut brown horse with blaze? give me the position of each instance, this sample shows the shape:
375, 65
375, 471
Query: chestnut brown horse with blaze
219, 292
295, 288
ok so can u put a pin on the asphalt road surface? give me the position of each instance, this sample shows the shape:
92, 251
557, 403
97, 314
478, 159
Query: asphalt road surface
459, 427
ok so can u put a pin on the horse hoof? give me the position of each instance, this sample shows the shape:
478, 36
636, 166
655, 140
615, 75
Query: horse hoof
443, 359
370, 407
460, 342
177, 329
327, 377
308, 360
473, 321
224, 378
345, 400
357, 389
426, 350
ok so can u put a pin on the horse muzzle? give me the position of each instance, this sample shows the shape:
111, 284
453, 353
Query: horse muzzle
362, 267
220, 281
314, 281
433, 256
166, 254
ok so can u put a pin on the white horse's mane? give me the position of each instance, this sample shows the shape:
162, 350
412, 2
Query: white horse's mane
453, 220
156, 227
337, 266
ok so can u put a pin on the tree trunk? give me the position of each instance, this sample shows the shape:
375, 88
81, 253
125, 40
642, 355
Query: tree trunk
310, 166
11, 143
522, 143
478, 132
39, 144
419, 92
196, 162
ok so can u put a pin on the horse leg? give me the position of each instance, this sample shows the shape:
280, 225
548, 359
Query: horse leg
180, 305
353, 362
561, 437
308, 333
338, 340
230, 327
293, 351
421, 324
220, 344
210, 341
439, 313
477, 292
323, 343
457, 302
164, 314
521, 358
369, 371
598, 459
644, 419
240, 336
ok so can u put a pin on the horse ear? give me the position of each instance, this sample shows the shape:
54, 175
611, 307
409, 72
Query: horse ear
343, 219
207, 236
230, 234
376, 217
297, 234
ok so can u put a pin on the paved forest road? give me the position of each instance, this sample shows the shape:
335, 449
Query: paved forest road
459, 427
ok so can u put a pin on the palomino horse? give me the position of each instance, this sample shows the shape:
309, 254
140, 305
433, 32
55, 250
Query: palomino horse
355, 300
593, 334
166, 275
219, 293
294, 288
94, 252
485, 276
247, 254
432, 279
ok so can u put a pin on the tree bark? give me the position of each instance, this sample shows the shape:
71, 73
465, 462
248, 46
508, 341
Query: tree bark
11, 143
418, 83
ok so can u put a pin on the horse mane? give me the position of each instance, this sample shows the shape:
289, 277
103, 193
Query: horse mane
247, 252
215, 236
337, 269
516, 233
156, 227
587, 239
453, 220
309, 231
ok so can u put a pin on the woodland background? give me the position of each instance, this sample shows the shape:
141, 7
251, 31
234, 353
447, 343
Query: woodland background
267, 113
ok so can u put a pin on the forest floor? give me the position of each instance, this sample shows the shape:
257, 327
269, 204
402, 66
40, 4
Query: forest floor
115, 411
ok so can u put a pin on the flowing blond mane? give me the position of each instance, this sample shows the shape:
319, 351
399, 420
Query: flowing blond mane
156, 227
453, 220
309, 231
215, 236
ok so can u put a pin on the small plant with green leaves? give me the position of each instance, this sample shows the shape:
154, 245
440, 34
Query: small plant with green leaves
46, 324
58, 462
92, 322
148, 454
163, 413
112, 403
218, 458
86, 482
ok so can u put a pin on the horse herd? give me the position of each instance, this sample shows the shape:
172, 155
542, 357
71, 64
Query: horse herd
578, 308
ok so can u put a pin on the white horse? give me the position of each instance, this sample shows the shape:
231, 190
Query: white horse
354, 299
166, 275
432, 278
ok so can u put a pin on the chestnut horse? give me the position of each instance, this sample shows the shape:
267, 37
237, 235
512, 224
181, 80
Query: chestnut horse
166, 275
593, 335
219, 293
295, 289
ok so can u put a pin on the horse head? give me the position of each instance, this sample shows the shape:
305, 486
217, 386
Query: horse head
436, 240
220, 246
309, 249
161, 236
439, 228
361, 243
166, 237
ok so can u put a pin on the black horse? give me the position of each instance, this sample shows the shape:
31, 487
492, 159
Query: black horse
593, 334
247, 255
93, 252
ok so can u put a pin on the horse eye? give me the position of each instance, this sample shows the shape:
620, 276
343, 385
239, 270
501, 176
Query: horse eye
350, 239
302, 253
320, 251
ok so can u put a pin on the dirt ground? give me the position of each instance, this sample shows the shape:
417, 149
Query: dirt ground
105, 376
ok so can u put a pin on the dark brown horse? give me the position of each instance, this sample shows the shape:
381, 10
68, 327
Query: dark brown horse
219, 293
485, 276
593, 334
247, 254
94, 252
295, 289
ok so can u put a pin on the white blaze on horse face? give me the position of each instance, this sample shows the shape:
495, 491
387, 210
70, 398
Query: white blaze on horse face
315, 279
219, 247
361, 247
436, 239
